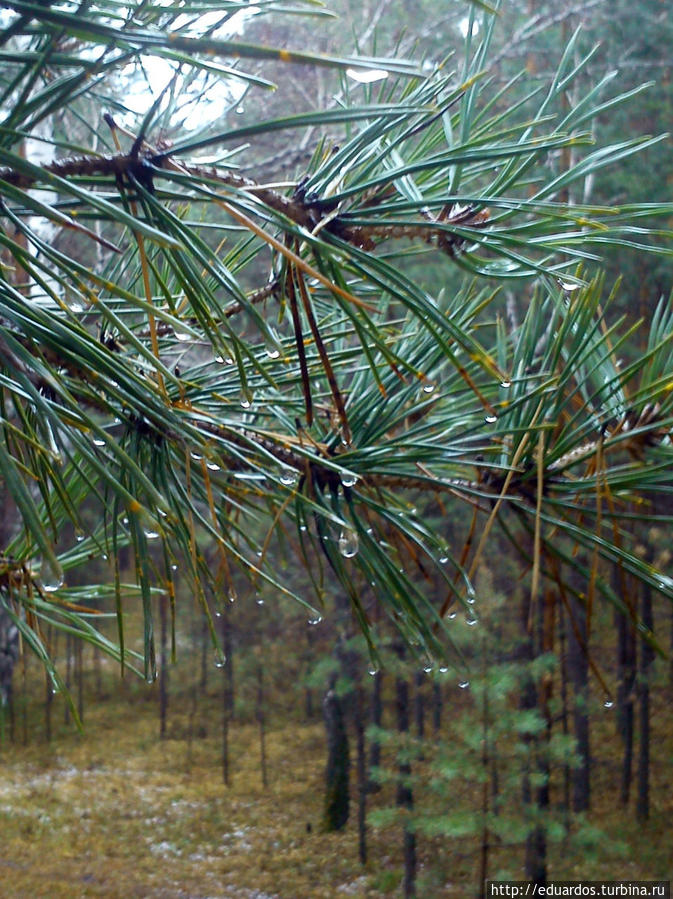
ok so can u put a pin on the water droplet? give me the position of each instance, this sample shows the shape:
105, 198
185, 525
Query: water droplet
608, 704
366, 76
427, 669
181, 334
240, 110
289, 477
125, 520
470, 622
272, 353
443, 669
568, 286
174, 567
196, 456
79, 538
303, 528
98, 441
463, 684
220, 659
348, 479
491, 418
452, 615
348, 544
150, 677
246, 404
232, 595
505, 384
443, 560
373, 672
150, 533
218, 614
51, 575
260, 602
314, 621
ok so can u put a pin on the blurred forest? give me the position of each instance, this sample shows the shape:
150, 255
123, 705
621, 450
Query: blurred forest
337, 747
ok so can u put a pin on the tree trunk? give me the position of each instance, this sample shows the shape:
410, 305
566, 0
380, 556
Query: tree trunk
578, 670
626, 675
535, 799
261, 719
405, 798
361, 765
337, 773
436, 706
646, 660
376, 717
163, 666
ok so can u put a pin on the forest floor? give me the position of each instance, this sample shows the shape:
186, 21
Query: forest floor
118, 812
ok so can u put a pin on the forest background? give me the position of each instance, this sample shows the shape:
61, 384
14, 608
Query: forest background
535, 740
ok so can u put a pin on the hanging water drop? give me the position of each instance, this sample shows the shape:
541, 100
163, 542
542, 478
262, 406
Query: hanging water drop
181, 334
246, 403
608, 704
348, 479
150, 534
314, 621
98, 441
443, 560
452, 615
443, 669
220, 659
491, 418
289, 477
51, 575
463, 684
272, 353
348, 544
505, 384
470, 622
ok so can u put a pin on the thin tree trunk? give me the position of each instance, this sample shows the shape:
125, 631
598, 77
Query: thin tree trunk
419, 703
79, 676
646, 660
361, 766
405, 798
69, 639
537, 799
436, 706
626, 674
261, 718
376, 718
565, 726
337, 773
163, 666
227, 698
578, 665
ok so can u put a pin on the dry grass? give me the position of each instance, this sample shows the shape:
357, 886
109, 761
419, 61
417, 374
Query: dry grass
117, 812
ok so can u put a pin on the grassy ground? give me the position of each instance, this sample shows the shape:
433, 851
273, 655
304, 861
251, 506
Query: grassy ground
117, 812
